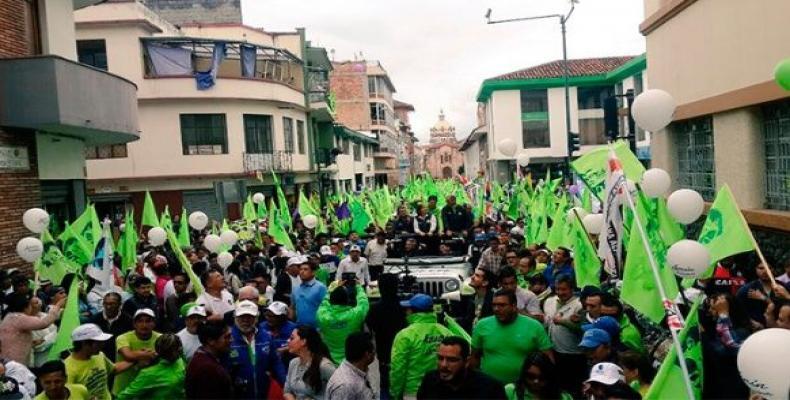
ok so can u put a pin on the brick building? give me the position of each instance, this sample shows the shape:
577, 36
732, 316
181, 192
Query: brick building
442, 157
43, 131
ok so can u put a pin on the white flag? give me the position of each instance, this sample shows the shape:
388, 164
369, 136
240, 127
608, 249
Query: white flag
610, 247
102, 266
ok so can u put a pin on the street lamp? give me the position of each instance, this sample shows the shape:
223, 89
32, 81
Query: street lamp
563, 19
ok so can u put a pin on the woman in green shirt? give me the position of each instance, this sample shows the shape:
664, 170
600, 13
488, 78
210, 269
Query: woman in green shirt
165, 378
538, 380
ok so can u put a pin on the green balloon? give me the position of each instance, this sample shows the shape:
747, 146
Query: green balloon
782, 74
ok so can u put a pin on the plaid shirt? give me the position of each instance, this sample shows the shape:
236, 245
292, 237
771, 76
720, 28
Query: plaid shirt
490, 261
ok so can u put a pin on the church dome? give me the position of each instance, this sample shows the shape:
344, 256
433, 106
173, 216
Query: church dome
442, 131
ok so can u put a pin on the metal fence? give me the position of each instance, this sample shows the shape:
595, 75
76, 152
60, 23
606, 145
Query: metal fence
279, 161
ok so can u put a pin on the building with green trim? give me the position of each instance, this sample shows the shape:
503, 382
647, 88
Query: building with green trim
526, 109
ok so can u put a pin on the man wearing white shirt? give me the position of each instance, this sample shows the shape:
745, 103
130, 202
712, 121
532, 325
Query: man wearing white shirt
356, 264
376, 253
196, 315
216, 299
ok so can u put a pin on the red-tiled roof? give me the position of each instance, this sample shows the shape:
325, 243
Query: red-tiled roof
403, 104
580, 67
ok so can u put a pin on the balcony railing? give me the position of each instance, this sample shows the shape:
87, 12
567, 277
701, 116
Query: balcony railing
279, 161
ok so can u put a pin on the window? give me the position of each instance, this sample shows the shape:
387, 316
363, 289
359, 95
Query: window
593, 97
372, 85
345, 143
204, 134
258, 134
108, 151
535, 119
357, 152
93, 53
288, 134
776, 128
638, 84
591, 131
378, 114
696, 168
300, 136
533, 101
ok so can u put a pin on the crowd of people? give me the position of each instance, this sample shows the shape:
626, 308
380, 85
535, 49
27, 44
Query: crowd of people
300, 324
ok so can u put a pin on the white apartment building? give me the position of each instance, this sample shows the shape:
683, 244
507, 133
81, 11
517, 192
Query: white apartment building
201, 148
528, 108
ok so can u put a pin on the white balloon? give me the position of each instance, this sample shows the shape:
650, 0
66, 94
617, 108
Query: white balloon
310, 221
685, 205
507, 147
229, 237
653, 109
35, 220
157, 236
224, 259
212, 242
198, 220
688, 258
764, 362
258, 198
656, 182
580, 211
122, 227
593, 223
522, 160
30, 249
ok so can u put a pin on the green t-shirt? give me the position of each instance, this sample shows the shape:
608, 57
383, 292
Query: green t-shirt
161, 381
91, 373
504, 347
130, 340
76, 392
510, 392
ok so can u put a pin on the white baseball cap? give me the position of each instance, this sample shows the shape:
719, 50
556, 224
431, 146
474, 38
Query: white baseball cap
246, 307
354, 248
89, 332
278, 308
606, 373
325, 251
296, 260
196, 310
144, 311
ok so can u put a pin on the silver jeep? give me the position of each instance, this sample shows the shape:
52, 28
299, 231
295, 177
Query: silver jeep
433, 275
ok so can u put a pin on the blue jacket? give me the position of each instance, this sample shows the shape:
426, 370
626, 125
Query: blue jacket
551, 272
252, 381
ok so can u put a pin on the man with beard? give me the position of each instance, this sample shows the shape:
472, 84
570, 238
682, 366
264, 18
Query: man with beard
453, 380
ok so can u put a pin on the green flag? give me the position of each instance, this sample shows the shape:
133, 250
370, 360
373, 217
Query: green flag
669, 382
165, 221
585, 257
276, 230
587, 200
127, 245
75, 247
87, 225
149, 212
53, 265
557, 232
197, 285
639, 285
591, 167
360, 219
282, 204
183, 230
68, 322
725, 231
248, 212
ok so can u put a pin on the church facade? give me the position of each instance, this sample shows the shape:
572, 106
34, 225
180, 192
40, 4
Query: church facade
442, 156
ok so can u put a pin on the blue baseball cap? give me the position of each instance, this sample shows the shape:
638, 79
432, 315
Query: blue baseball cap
606, 323
595, 337
418, 302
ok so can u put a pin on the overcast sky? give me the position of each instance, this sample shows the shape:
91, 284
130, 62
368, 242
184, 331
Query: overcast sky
438, 52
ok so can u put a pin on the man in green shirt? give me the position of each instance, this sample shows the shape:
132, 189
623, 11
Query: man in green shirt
163, 380
337, 318
88, 366
136, 346
500, 343
52, 376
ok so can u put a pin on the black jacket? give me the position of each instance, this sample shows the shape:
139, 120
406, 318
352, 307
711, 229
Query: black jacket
474, 385
456, 218
386, 318
118, 327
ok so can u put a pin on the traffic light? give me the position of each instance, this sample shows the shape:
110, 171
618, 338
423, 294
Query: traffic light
611, 118
575, 142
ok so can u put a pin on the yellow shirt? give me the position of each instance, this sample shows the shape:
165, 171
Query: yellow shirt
76, 392
91, 373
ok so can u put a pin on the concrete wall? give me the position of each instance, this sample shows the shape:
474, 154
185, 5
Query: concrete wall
187, 11
57, 28
60, 157
159, 150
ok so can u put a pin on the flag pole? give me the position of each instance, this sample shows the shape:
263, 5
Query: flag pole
674, 318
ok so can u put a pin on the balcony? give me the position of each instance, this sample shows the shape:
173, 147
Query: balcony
279, 161
52, 94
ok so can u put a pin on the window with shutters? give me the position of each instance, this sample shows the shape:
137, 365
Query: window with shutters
696, 165
300, 136
288, 134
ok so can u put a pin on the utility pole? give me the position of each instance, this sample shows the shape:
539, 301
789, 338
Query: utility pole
566, 72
